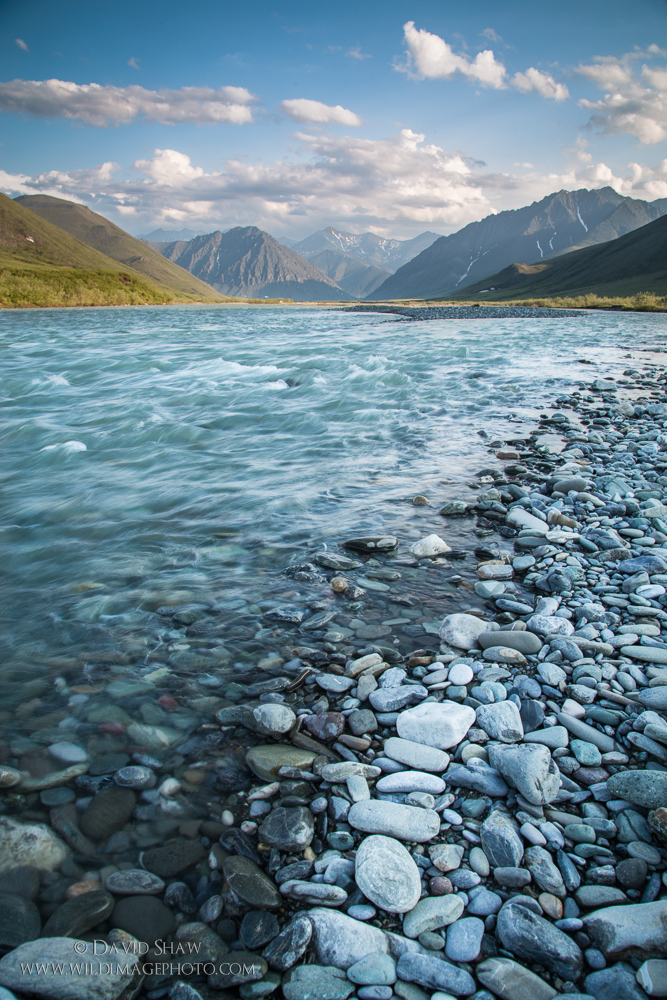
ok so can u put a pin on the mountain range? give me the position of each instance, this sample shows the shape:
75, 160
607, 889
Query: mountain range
555, 225
247, 261
636, 262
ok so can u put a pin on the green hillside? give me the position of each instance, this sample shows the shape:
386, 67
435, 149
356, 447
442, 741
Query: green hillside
636, 262
108, 239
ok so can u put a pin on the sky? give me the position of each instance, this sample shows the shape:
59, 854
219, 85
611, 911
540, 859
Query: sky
388, 116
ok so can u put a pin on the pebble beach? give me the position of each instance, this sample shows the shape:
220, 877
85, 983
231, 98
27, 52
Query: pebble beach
445, 776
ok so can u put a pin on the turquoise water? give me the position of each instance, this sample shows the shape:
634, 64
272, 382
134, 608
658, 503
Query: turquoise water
188, 455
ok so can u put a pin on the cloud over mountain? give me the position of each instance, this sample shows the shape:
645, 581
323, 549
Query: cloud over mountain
99, 105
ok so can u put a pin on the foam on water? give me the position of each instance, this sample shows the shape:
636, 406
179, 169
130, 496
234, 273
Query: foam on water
222, 443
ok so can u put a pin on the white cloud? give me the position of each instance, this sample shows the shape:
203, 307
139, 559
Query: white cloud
543, 83
430, 56
100, 105
356, 53
394, 186
133, 62
300, 109
634, 103
21, 44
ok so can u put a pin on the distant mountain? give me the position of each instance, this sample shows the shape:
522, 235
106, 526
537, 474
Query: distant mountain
42, 265
636, 262
168, 235
555, 225
246, 261
355, 278
109, 239
367, 247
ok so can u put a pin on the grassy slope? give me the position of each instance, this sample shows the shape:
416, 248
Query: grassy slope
110, 240
636, 262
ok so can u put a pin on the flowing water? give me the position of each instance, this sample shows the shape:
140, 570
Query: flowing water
187, 456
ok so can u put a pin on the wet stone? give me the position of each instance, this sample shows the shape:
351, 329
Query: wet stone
172, 858
288, 829
134, 883
144, 917
249, 884
108, 811
78, 915
19, 921
258, 928
20, 881
288, 947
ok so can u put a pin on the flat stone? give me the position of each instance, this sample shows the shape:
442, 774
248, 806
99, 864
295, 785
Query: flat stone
462, 630
258, 928
387, 875
107, 812
464, 939
446, 857
431, 913
288, 829
69, 974
435, 974
554, 737
437, 724
647, 789
249, 884
374, 970
288, 947
67, 753
585, 732
510, 981
134, 882
144, 917
502, 721
266, 761
411, 781
408, 823
316, 982
80, 914
652, 977
341, 941
655, 698
416, 755
460, 674
523, 641
528, 767
172, 858
30, 844
635, 931
536, 940
19, 921
501, 841
513, 878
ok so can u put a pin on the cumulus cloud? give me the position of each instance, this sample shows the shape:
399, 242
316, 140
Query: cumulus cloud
396, 186
300, 109
100, 105
635, 98
542, 83
431, 56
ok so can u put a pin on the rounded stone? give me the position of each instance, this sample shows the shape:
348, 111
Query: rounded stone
78, 915
432, 913
411, 781
144, 917
464, 939
249, 884
134, 882
416, 755
437, 724
462, 630
30, 844
273, 718
19, 921
460, 673
288, 829
172, 858
387, 875
266, 761
409, 823
107, 812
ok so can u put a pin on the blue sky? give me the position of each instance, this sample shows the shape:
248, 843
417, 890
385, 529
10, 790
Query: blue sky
391, 116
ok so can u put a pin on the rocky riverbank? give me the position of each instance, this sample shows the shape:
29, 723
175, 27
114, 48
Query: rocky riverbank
469, 312
443, 772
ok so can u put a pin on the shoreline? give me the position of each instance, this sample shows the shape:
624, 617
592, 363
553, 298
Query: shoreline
494, 853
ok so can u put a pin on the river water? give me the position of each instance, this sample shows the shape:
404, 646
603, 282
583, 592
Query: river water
187, 456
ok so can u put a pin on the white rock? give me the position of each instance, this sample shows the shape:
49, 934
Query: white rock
411, 781
387, 875
29, 844
551, 674
273, 718
430, 545
462, 630
437, 724
409, 823
416, 755
549, 625
519, 517
460, 673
